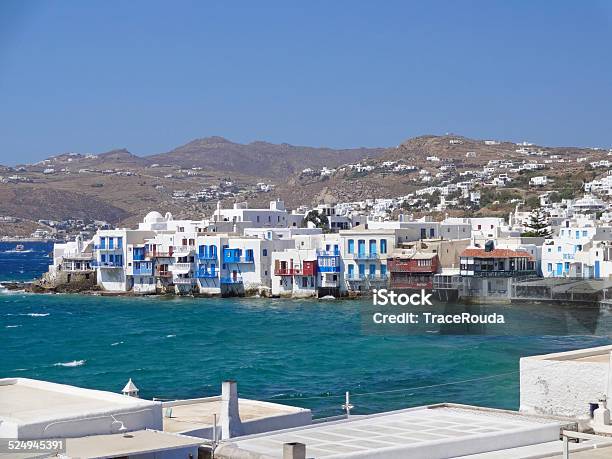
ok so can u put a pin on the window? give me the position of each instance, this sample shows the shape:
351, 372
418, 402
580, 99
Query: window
372, 270
351, 271
558, 248
351, 246
119, 242
479, 227
264, 252
577, 234
549, 250
111, 242
550, 267
383, 246
432, 232
383, 270
584, 233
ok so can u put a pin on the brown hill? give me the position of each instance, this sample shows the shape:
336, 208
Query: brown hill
258, 159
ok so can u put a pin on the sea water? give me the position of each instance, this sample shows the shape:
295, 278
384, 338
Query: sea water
300, 352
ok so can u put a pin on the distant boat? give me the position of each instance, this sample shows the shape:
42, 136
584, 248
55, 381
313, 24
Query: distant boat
19, 248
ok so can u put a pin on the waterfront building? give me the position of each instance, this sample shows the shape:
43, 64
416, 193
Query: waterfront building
295, 273
488, 273
412, 270
558, 252
364, 254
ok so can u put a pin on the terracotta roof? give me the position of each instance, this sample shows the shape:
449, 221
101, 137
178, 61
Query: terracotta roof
495, 253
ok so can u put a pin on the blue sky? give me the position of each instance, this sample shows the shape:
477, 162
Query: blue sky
149, 76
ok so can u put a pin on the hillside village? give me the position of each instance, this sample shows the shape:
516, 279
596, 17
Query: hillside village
428, 175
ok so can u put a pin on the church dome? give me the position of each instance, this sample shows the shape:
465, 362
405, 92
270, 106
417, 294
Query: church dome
153, 217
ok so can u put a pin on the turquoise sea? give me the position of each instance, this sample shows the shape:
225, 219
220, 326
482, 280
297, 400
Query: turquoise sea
301, 352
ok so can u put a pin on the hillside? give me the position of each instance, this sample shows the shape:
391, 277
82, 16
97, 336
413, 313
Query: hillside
258, 159
120, 187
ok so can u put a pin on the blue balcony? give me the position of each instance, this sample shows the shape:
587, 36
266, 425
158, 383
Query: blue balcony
366, 256
106, 248
139, 254
231, 280
204, 274
328, 253
207, 256
234, 256
142, 271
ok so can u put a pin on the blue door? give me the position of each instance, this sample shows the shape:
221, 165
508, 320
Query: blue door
597, 270
361, 271
559, 269
351, 271
372, 246
361, 247
372, 271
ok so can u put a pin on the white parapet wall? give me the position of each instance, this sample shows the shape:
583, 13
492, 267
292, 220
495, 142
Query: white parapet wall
564, 383
33, 409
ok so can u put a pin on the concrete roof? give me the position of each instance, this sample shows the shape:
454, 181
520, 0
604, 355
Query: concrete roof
189, 415
600, 354
114, 445
438, 431
24, 400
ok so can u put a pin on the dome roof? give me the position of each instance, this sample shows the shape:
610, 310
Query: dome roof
153, 217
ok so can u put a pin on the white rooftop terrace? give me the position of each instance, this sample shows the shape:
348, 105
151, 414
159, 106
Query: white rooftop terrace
432, 432
39, 409
195, 416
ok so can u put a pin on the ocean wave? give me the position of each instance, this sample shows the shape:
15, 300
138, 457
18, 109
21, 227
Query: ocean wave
18, 251
170, 336
74, 363
36, 314
12, 326
117, 343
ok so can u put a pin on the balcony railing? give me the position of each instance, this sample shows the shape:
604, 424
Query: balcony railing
184, 249
500, 273
107, 248
295, 271
184, 281
142, 271
180, 267
328, 253
207, 256
207, 274
231, 280
163, 274
365, 256
106, 264
159, 254
237, 259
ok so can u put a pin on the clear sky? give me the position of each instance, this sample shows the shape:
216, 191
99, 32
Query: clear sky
90, 76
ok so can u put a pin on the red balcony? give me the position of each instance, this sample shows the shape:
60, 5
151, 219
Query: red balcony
287, 271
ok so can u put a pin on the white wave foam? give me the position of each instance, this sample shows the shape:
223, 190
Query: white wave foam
117, 343
12, 326
74, 363
36, 314
170, 336
19, 251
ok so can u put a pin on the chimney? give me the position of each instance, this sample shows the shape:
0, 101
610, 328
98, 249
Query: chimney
294, 451
231, 426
